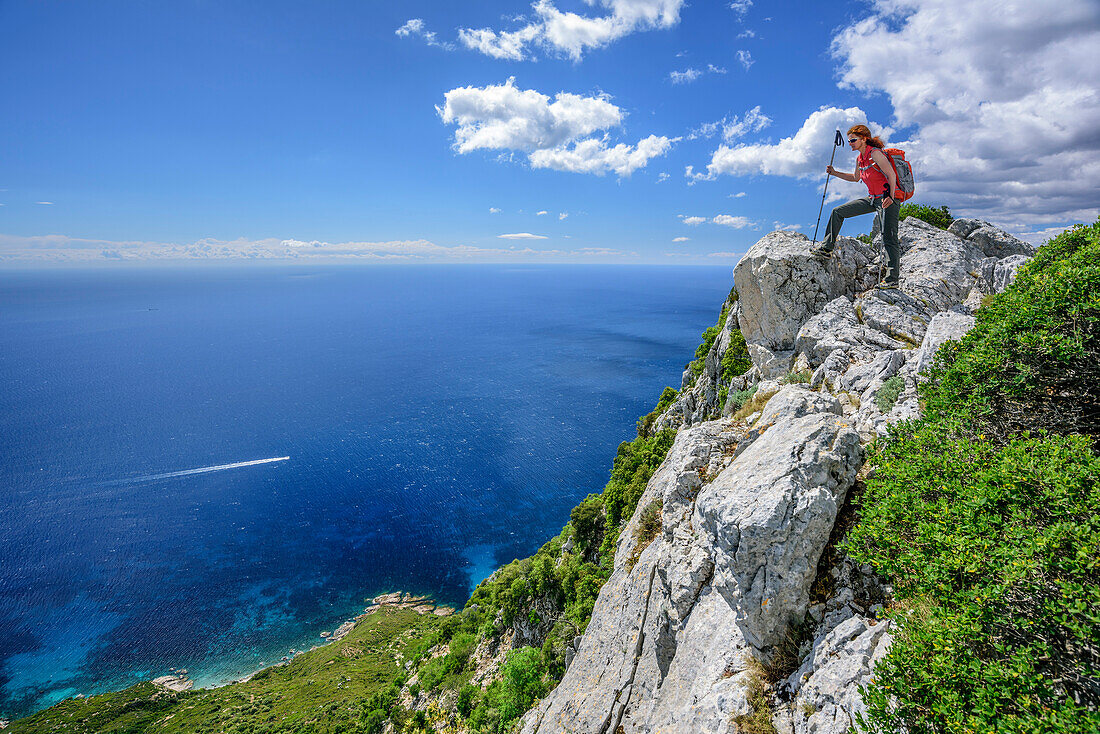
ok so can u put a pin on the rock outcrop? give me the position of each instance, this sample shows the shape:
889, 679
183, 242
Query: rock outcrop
681, 629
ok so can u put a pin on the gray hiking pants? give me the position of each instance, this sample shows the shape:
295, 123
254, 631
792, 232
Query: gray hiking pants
889, 224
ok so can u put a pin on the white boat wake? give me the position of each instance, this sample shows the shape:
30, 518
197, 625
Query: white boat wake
189, 472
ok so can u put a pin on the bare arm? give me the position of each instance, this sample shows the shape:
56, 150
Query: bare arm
840, 174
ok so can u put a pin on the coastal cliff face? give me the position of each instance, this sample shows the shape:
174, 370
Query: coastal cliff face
740, 584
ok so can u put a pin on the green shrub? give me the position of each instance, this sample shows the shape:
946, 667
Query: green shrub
792, 377
634, 464
991, 532
375, 721
1033, 358
936, 217
521, 683
645, 423
461, 647
738, 398
587, 520
699, 363
996, 551
886, 397
735, 360
465, 701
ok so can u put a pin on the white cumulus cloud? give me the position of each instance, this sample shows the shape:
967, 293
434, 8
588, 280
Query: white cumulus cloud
1005, 99
733, 127
806, 153
691, 74
745, 58
685, 76
522, 236
727, 220
563, 215
594, 156
415, 27
693, 221
553, 134
572, 34
740, 7
542, 213
681, 239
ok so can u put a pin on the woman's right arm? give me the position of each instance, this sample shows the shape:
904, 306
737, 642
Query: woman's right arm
840, 174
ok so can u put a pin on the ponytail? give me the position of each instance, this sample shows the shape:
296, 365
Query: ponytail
864, 132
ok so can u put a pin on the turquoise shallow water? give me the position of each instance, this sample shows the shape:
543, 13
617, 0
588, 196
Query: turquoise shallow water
436, 422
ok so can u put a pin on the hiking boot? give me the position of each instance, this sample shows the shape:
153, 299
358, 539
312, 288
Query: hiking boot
887, 284
821, 252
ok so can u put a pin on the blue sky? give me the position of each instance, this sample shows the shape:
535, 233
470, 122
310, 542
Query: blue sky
424, 131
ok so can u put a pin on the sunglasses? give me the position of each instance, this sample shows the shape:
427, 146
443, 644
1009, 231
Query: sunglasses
853, 140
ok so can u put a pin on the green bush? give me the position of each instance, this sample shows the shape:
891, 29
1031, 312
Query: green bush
936, 217
991, 532
645, 423
466, 697
1033, 358
996, 551
521, 683
587, 520
699, 363
792, 377
634, 464
738, 398
886, 397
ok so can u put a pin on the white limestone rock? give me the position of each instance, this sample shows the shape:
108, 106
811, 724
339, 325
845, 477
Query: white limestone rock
826, 686
838, 326
992, 241
894, 313
944, 326
770, 364
1004, 272
667, 646
781, 285
795, 401
938, 268
864, 378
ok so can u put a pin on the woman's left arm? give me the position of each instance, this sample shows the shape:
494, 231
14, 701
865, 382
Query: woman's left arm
887, 170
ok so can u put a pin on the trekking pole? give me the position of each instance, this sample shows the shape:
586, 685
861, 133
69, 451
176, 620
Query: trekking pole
837, 142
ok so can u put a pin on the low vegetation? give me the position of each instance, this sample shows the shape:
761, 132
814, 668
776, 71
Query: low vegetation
347, 686
886, 397
803, 376
645, 423
647, 530
937, 217
985, 513
759, 719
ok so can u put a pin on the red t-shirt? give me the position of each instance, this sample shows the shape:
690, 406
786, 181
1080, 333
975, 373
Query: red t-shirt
869, 173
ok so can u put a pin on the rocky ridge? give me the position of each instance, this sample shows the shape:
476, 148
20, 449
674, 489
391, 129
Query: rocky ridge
741, 583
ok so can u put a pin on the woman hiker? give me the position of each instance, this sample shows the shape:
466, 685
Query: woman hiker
875, 170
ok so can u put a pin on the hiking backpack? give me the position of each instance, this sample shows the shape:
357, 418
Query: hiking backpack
903, 171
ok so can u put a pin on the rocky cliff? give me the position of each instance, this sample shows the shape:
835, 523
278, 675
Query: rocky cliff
743, 582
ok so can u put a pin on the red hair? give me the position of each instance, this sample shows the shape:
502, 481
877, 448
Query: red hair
864, 132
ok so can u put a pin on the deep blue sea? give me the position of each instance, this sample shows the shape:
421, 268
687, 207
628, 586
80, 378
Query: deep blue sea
439, 421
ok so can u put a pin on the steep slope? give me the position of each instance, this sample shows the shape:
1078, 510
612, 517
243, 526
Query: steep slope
687, 625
